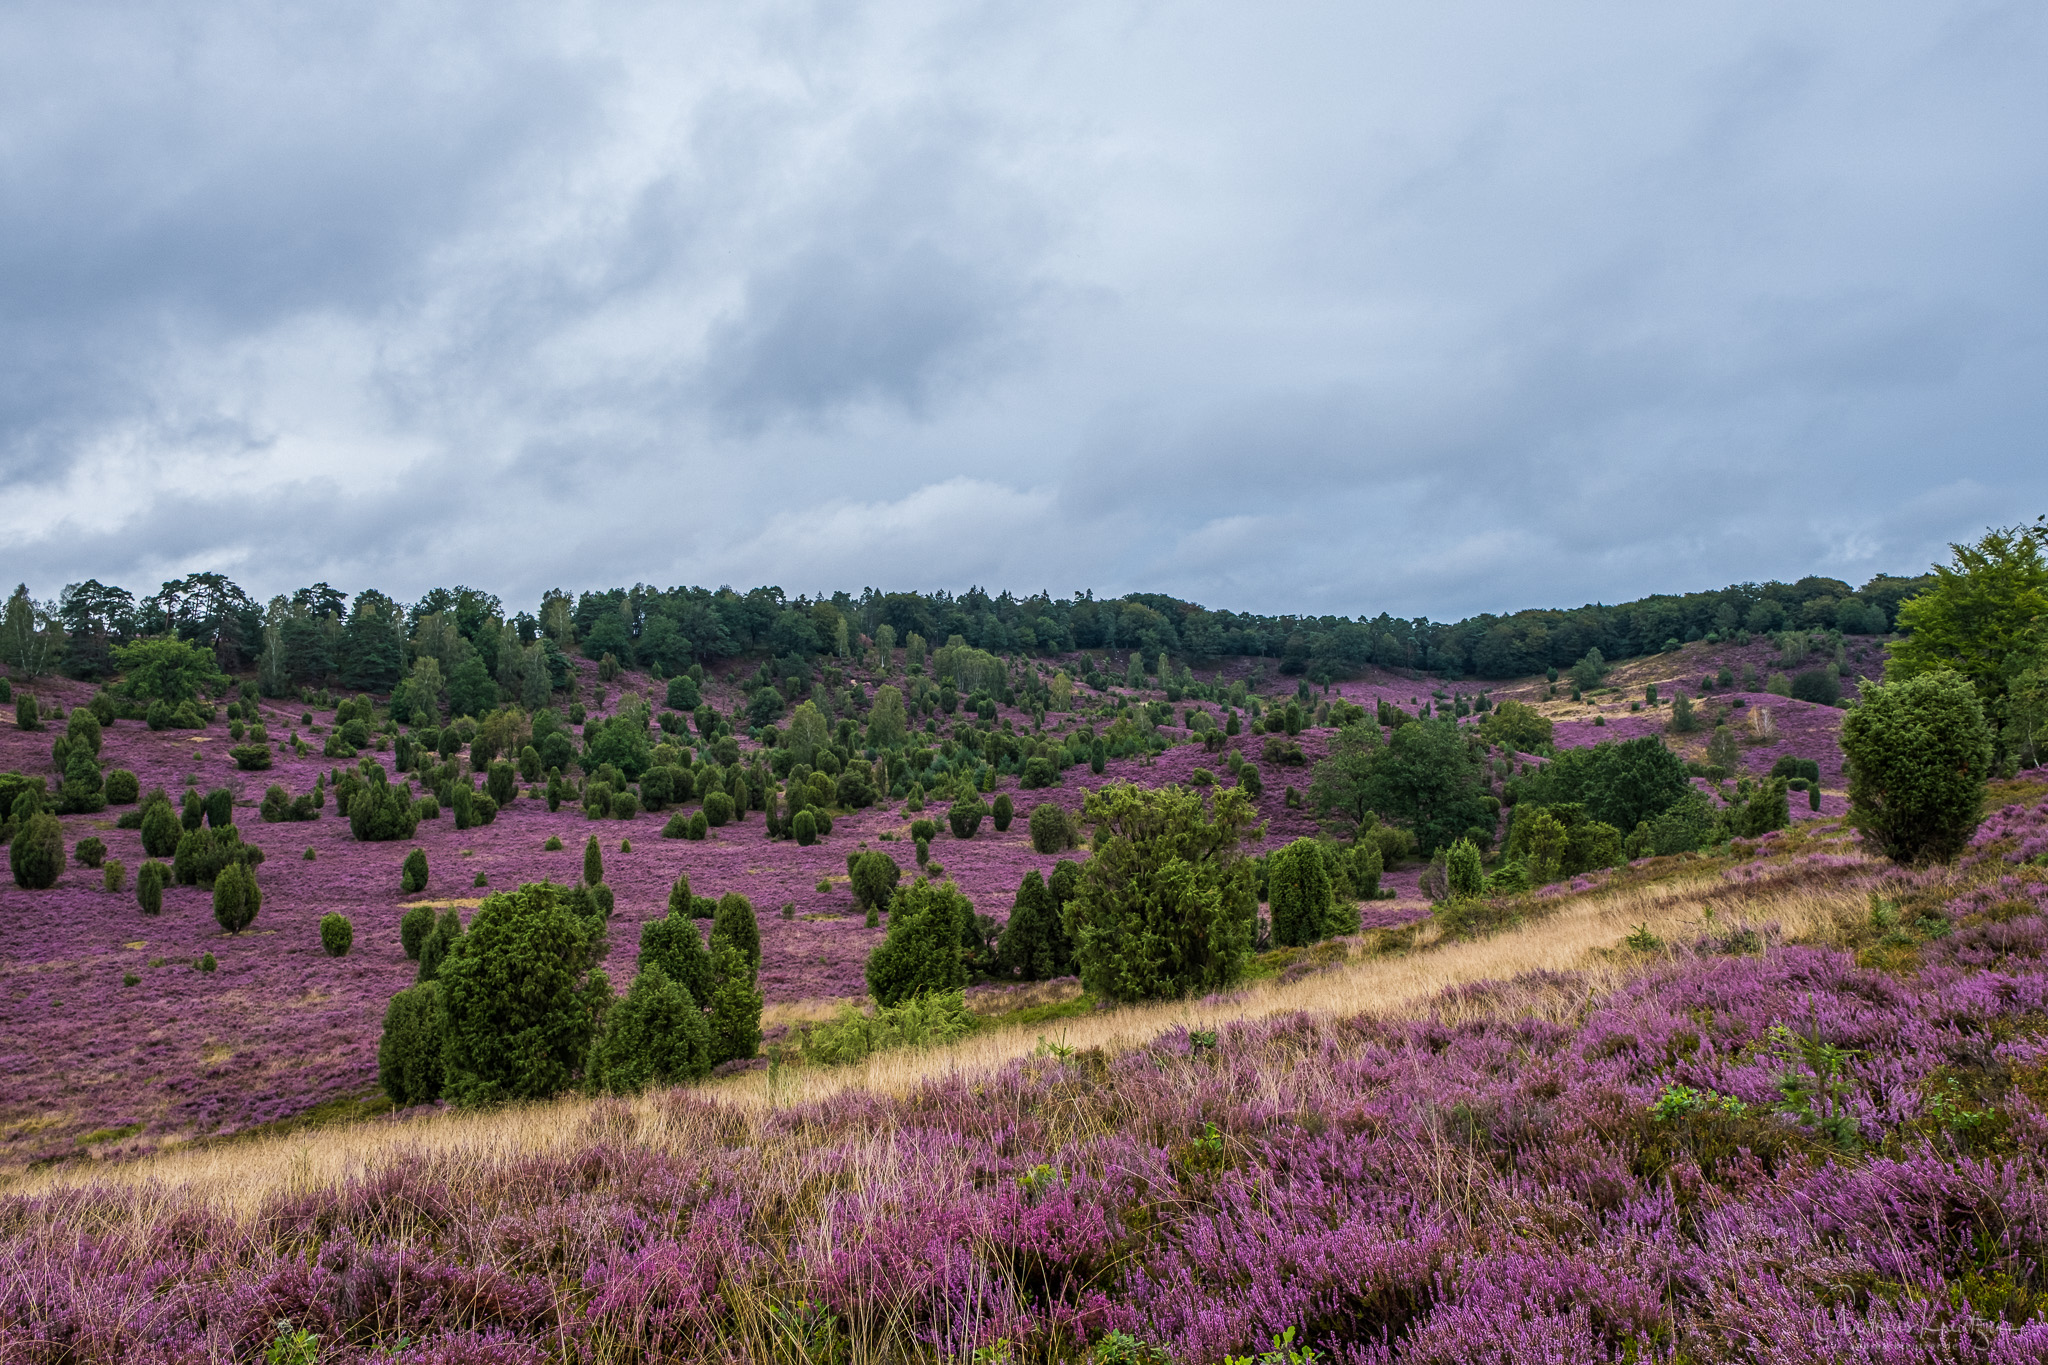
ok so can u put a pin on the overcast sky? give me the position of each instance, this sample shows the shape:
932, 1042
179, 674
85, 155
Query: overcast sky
1424, 308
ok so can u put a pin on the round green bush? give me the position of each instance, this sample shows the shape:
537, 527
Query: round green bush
924, 851
1919, 755
1298, 891
804, 828
413, 929
874, 878
656, 1035
1052, 829
236, 898
700, 825
36, 854
412, 876
921, 952
553, 844
150, 880
336, 934
122, 787
1818, 686
718, 809
90, 852
114, 875
161, 829
964, 817
1004, 812
206, 962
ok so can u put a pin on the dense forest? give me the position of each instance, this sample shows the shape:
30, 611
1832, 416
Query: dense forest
318, 635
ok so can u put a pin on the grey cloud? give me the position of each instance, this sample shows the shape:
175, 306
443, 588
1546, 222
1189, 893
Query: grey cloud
1325, 309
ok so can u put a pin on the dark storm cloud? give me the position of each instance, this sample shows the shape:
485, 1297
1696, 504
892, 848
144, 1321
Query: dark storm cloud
1325, 308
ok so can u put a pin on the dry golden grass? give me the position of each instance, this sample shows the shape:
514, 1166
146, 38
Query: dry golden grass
1583, 935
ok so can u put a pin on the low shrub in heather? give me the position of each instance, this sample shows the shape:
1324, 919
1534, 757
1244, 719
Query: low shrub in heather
656, 1035
1167, 905
409, 1051
734, 922
336, 934
413, 928
412, 875
150, 880
1919, 755
874, 878
203, 853
1052, 828
1034, 945
965, 816
921, 952
718, 809
803, 827
674, 944
90, 851
1002, 812
122, 787
36, 853
114, 875
236, 898
161, 829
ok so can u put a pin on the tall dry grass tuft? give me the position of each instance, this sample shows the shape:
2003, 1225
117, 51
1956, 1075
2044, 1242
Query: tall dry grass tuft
1554, 967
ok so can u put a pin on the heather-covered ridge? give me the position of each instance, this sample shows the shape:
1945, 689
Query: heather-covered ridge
280, 1029
1808, 1125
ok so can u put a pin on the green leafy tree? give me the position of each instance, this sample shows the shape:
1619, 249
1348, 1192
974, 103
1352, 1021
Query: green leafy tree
1429, 780
1298, 892
888, 723
1338, 790
1590, 670
1516, 727
656, 1035
1919, 754
522, 997
1981, 618
167, 669
921, 952
470, 689
409, 1052
1620, 783
1167, 905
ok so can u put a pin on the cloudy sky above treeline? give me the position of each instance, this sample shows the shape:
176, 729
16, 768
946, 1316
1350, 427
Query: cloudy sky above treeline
1431, 309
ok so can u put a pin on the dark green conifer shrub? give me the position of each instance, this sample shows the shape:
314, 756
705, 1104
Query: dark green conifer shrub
1004, 811
874, 878
1818, 686
593, 862
733, 922
673, 943
434, 949
150, 880
921, 952
236, 897
409, 1052
122, 788
26, 714
114, 875
36, 853
735, 1004
220, 807
655, 1035
965, 816
924, 851
90, 852
1052, 828
413, 930
718, 809
700, 826
503, 783
1034, 945
1919, 754
336, 934
412, 876
1298, 892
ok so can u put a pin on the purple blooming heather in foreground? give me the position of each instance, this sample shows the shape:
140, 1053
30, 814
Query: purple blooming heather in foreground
1482, 1184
